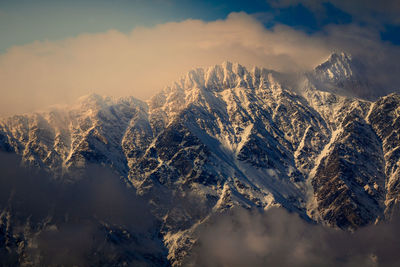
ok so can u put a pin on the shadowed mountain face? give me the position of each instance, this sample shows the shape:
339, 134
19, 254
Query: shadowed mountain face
227, 137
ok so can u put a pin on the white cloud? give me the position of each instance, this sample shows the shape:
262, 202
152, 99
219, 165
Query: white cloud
147, 59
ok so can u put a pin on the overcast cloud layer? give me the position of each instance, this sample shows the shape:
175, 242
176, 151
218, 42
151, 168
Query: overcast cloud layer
147, 59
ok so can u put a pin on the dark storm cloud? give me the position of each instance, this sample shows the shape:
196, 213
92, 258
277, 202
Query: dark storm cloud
279, 238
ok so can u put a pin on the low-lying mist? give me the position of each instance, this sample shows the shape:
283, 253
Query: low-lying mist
94, 221
279, 238
99, 221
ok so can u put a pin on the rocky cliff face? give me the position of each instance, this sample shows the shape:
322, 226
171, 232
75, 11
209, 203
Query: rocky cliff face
227, 136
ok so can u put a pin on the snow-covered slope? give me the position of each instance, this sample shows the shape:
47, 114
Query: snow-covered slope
227, 136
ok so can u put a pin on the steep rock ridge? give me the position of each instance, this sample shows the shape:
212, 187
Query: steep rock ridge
384, 118
226, 136
349, 180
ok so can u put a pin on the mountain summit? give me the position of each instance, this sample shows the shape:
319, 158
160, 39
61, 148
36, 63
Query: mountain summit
345, 75
338, 68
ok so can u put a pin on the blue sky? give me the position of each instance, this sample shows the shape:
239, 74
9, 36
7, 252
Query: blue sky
23, 21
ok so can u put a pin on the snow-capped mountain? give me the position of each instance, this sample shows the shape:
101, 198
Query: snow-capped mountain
342, 74
226, 136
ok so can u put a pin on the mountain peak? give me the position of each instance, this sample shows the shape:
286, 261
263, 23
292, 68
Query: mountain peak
227, 65
340, 56
346, 75
337, 68
221, 76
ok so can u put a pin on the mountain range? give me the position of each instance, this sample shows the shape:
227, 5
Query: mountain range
323, 146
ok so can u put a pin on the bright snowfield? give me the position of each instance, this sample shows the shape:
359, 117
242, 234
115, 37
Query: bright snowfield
319, 146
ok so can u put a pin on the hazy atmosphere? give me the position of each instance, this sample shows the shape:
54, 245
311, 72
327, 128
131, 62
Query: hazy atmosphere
63, 50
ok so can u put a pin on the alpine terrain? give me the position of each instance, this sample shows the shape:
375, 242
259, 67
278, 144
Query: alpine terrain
221, 137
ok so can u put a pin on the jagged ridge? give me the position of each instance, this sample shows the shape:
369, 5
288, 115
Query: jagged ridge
227, 136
